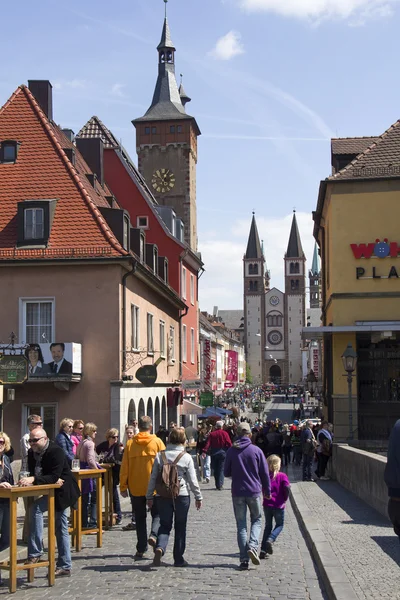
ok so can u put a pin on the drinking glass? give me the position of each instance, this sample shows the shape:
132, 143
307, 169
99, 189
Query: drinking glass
23, 474
76, 464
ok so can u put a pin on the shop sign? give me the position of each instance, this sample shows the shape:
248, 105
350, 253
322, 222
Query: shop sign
207, 365
13, 368
315, 360
207, 399
378, 249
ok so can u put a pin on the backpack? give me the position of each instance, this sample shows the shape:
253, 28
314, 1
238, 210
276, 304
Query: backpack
167, 482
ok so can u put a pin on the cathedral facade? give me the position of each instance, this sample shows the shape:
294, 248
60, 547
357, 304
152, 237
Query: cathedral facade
274, 319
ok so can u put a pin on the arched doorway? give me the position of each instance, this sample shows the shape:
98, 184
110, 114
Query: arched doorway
157, 420
141, 410
275, 374
150, 408
164, 412
131, 412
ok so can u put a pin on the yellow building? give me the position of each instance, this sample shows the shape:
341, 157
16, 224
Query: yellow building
358, 234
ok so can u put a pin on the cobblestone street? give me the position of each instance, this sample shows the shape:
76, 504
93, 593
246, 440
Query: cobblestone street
213, 557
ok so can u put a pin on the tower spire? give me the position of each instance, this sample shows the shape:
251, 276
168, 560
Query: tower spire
294, 249
253, 246
315, 263
166, 2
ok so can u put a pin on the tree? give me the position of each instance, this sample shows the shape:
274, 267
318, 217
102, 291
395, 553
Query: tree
249, 378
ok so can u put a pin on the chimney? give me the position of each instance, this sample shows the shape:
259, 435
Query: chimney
69, 134
43, 92
92, 151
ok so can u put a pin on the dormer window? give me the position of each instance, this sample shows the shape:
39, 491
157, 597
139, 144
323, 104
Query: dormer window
35, 218
126, 233
155, 261
9, 151
142, 222
142, 246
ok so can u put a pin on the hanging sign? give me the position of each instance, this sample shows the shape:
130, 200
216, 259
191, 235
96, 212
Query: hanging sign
13, 369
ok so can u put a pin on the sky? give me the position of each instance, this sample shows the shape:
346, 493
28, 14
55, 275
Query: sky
271, 82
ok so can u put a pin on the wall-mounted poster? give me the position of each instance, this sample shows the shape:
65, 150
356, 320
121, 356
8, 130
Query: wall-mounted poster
58, 359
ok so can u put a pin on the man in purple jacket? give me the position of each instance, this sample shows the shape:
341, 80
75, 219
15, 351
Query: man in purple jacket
247, 466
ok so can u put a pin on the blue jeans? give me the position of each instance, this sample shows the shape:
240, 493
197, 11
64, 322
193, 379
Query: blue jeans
205, 466
217, 463
139, 505
307, 462
166, 509
240, 505
272, 533
4, 525
35, 539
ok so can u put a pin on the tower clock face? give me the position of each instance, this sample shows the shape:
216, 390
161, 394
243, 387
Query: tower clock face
274, 301
163, 180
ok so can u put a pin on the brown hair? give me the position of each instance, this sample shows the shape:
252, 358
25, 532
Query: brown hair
177, 436
79, 422
89, 429
145, 423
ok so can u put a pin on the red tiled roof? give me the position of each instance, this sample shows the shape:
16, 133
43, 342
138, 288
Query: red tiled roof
351, 145
43, 171
381, 160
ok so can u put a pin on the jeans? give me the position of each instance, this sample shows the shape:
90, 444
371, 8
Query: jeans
307, 460
286, 450
270, 534
167, 510
4, 525
205, 466
322, 464
240, 505
140, 507
217, 463
297, 454
116, 502
35, 540
394, 515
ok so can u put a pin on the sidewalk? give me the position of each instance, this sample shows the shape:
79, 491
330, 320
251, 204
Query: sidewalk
354, 546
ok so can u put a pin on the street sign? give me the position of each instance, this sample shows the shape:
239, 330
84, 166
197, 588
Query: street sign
207, 399
13, 368
191, 384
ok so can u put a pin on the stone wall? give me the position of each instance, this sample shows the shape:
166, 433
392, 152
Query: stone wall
362, 473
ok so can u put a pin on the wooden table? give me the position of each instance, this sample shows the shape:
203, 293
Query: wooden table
108, 496
12, 565
76, 530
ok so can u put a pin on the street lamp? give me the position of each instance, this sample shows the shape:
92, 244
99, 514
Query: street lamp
349, 358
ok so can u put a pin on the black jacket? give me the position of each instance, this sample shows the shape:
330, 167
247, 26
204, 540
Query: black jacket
54, 467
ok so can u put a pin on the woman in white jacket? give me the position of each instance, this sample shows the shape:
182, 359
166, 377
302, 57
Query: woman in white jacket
179, 506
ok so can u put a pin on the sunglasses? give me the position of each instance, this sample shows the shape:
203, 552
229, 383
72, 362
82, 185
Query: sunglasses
2, 442
37, 423
115, 436
79, 427
34, 440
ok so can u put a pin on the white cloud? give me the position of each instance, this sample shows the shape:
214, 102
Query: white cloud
228, 46
116, 90
226, 256
317, 10
75, 84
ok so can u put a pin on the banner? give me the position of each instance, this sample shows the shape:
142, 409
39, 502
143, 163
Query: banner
207, 365
232, 367
51, 361
315, 362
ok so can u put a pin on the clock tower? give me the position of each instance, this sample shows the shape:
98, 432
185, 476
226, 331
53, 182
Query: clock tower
166, 142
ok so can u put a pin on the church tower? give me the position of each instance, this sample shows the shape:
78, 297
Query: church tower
314, 276
295, 303
254, 304
166, 142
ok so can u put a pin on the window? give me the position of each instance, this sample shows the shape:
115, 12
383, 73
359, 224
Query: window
191, 288
183, 283
142, 222
294, 284
192, 353
172, 129
150, 333
184, 343
8, 151
135, 327
162, 339
141, 248
147, 130
37, 320
48, 414
126, 233
154, 130
179, 129
171, 348
155, 261
34, 223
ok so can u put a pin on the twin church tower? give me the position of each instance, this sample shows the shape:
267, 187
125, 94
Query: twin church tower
273, 320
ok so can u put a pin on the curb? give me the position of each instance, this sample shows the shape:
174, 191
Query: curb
335, 580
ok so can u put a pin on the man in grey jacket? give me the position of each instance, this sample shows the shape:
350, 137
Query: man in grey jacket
392, 477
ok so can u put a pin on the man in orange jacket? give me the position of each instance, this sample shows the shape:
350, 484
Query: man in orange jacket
136, 467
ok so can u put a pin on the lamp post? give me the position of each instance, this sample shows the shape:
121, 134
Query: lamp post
349, 358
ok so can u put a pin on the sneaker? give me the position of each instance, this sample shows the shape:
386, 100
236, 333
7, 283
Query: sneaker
325, 478
130, 527
152, 541
63, 573
253, 555
32, 560
207, 480
262, 555
118, 520
157, 557
269, 547
244, 566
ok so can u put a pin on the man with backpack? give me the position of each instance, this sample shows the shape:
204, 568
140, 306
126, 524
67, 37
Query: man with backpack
136, 467
172, 476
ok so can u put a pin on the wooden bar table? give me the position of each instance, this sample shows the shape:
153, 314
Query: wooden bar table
108, 496
76, 530
12, 565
